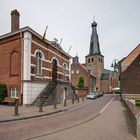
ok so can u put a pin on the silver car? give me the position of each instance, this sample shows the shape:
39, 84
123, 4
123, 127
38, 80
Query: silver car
91, 95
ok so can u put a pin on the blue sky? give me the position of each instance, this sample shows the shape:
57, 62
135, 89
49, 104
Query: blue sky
118, 23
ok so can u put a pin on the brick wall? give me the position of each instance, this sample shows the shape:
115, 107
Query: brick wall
95, 63
47, 51
131, 78
75, 77
10, 63
105, 85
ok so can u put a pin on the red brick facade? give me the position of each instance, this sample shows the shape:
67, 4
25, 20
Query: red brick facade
10, 62
131, 78
78, 70
20, 67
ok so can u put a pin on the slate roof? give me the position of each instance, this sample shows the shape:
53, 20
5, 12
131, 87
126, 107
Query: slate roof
94, 41
105, 75
56, 45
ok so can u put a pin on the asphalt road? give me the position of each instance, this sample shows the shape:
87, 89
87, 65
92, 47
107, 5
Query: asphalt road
43, 126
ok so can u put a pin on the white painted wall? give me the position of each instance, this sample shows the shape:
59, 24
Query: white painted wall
26, 66
32, 90
27, 56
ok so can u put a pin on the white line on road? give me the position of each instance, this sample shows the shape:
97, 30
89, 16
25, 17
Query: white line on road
106, 106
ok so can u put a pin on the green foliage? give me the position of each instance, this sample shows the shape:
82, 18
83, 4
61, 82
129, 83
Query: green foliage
81, 82
137, 103
3, 91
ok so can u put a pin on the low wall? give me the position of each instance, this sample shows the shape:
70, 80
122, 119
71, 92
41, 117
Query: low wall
81, 92
134, 115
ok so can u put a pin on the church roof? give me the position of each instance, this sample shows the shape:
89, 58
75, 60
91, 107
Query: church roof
94, 41
105, 75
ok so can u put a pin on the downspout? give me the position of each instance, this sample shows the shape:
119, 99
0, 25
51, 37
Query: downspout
21, 89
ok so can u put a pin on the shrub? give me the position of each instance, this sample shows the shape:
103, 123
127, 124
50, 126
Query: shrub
3, 91
81, 82
137, 103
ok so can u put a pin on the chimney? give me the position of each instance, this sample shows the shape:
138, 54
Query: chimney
14, 20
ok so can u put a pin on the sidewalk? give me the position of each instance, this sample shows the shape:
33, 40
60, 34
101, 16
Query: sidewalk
7, 112
112, 124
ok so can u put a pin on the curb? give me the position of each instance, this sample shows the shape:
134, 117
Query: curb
41, 115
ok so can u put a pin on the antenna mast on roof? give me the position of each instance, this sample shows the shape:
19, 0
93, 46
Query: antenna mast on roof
61, 41
69, 49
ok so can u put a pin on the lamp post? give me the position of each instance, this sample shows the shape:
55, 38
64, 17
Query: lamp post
116, 64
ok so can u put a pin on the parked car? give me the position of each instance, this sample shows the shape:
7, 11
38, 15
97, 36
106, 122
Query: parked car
91, 95
99, 94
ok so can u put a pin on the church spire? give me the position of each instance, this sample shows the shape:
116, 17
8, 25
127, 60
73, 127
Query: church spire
94, 42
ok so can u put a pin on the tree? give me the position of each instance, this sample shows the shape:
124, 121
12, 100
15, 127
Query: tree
81, 82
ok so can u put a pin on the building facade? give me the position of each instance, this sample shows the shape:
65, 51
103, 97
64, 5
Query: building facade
79, 70
131, 73
28, 63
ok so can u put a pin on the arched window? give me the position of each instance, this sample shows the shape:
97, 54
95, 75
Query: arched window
39, 63
65, 68
14, 65
54, 69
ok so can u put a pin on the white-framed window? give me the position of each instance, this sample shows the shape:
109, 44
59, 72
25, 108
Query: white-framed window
72, 71
77, 71
14, 92
39, 63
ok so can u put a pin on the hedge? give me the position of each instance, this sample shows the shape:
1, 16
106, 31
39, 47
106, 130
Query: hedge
3, 91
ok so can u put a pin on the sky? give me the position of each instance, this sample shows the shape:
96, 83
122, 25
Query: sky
118, 24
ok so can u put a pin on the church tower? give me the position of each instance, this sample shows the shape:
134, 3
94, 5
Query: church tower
95, 60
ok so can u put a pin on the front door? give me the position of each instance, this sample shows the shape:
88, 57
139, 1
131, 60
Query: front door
54, 70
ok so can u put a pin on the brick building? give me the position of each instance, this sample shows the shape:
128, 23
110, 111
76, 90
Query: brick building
94, 64
29, 63
79, 70
131, 72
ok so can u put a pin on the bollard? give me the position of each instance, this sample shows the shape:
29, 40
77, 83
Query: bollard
78, 100
72, 100
65, 102
55, 105
82, 99
40, 108
16, 108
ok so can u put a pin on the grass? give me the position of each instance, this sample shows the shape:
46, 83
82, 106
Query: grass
137, 102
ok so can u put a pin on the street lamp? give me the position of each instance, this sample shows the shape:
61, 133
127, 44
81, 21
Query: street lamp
116, 64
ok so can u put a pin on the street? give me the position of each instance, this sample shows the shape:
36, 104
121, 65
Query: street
82, 122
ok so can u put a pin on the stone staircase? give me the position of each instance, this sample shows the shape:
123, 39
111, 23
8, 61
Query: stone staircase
47, 96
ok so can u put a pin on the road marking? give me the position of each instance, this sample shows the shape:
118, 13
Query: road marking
106, 106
